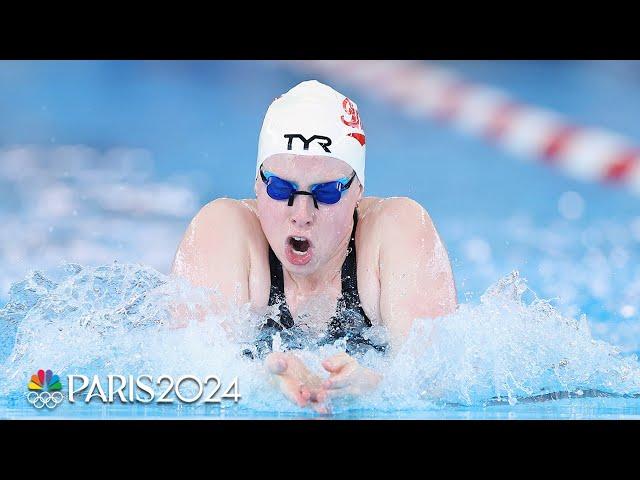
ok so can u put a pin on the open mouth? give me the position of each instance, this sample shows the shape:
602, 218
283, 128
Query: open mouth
299, 245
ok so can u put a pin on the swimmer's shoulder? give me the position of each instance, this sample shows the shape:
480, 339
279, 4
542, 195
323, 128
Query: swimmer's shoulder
381, 223
224, 244
206, 235
223, 206
374, 206
384, 218
237, 219
222, 225
366, 205
237, 215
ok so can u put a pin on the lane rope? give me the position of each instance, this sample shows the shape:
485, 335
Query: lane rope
528, 131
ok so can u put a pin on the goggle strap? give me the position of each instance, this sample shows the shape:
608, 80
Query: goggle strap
348, 184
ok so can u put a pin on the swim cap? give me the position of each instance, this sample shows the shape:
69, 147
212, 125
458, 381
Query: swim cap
313, 119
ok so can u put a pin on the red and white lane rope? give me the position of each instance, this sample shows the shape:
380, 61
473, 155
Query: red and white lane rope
422, 89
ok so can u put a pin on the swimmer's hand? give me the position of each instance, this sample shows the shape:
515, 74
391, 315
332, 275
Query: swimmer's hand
347, 378
295, 380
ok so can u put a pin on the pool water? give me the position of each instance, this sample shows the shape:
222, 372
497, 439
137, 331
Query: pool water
108, 161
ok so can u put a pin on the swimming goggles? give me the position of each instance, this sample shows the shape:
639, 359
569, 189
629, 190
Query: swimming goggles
328, 192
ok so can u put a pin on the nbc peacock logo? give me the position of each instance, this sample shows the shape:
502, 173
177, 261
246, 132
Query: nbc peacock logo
44, 390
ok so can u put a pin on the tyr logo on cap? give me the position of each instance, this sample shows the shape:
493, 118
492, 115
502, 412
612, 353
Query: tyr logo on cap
306, 143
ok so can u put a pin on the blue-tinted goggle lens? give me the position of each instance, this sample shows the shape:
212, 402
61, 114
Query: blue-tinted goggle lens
279, 189
329, 192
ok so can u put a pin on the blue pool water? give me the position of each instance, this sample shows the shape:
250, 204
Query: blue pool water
104, 161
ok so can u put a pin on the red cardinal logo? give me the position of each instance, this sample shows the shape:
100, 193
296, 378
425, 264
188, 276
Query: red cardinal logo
353, 119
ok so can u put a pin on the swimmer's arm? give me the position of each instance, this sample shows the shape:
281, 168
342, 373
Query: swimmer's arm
416, 280
214, 253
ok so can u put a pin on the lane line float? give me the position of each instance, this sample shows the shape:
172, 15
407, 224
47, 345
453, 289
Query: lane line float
530, 132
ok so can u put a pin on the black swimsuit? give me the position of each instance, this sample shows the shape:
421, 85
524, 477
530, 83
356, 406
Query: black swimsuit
349, 322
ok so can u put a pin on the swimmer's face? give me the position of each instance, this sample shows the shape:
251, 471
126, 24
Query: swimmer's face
324, 228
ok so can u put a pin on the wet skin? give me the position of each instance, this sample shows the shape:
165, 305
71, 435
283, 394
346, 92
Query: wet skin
402, 266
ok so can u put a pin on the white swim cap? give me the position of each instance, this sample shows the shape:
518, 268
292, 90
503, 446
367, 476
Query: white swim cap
313, 119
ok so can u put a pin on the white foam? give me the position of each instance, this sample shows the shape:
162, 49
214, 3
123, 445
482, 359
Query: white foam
115, 319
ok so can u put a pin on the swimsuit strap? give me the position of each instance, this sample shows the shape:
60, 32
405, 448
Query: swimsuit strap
276, 293
350, 298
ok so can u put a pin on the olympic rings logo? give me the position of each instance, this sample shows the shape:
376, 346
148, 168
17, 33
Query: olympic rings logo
45, 399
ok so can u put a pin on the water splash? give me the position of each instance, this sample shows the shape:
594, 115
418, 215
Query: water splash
511, 346
505, 349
